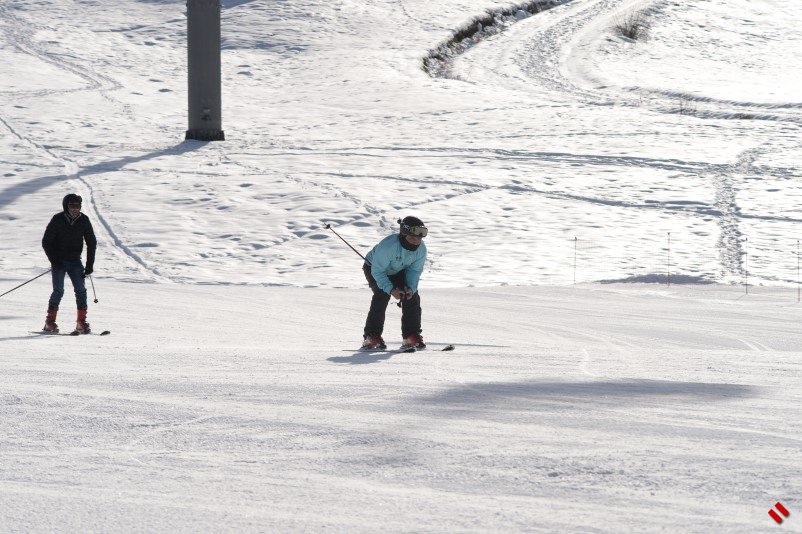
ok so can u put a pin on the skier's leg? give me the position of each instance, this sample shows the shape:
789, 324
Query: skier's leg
374, 324
410, 309
57, 275
411, 316
76, 271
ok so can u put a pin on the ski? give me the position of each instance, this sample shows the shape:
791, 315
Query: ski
74, 333
448, 347
383, 351
428, 347
77, 333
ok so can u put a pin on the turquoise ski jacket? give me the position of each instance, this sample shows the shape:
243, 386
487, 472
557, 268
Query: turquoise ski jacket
388, 257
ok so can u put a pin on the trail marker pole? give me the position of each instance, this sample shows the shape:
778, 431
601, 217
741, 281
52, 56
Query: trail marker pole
575, 240
668, 262
746, 264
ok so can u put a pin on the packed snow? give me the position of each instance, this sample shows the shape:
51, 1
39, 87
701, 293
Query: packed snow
613, 249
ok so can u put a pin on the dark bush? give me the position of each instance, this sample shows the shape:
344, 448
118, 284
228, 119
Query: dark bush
634, 26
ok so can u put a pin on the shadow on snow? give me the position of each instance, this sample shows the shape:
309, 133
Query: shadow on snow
596, 392
361, 358
10, 194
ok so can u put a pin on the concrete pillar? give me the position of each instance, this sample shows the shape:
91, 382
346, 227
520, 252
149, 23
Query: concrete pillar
203, 53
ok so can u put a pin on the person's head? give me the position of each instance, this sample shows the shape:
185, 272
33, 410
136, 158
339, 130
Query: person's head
72, 205
412, 230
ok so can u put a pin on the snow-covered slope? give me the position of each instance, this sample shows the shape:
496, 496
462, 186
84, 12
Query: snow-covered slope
554, 151
615, 409
556, 133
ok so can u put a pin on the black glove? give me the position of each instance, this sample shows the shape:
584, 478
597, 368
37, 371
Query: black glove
408, 293
88, 270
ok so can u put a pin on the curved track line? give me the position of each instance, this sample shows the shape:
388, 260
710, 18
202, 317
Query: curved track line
22, 40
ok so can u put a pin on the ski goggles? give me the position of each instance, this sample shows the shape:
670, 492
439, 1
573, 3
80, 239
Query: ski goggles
415, 231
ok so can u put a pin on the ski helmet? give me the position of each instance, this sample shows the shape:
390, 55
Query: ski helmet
413, 226
72, 198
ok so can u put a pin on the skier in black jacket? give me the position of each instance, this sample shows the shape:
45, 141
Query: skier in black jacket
63, 243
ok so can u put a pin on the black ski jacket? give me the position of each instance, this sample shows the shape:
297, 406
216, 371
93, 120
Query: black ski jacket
64, 239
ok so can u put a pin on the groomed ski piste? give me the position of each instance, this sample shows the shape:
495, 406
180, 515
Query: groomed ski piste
566, 174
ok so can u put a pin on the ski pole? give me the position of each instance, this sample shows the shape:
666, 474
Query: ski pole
22, 284
328, 227
93, 287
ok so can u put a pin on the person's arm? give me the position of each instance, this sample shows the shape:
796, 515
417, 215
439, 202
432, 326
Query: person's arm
91, 247
48, 241
378, 269
414, 271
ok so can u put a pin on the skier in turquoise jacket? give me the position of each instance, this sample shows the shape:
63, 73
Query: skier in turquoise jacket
393, 269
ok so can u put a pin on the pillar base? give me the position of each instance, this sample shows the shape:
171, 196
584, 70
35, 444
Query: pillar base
206, 135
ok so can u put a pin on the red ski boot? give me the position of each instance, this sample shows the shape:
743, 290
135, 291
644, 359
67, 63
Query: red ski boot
413, 340
81, 326
50, 322
373, 342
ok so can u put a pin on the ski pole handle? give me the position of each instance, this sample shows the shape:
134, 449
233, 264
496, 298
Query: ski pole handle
406, 295
400, 297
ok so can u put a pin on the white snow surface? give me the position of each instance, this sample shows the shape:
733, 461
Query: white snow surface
227, 397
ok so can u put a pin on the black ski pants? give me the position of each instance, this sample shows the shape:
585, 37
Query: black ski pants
410, 308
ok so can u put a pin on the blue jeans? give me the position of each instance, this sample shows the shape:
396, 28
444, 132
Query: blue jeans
75, 269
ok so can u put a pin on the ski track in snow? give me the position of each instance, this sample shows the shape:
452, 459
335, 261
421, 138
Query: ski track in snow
20, 34
546, 57
543, 57
543, 70
724, 207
